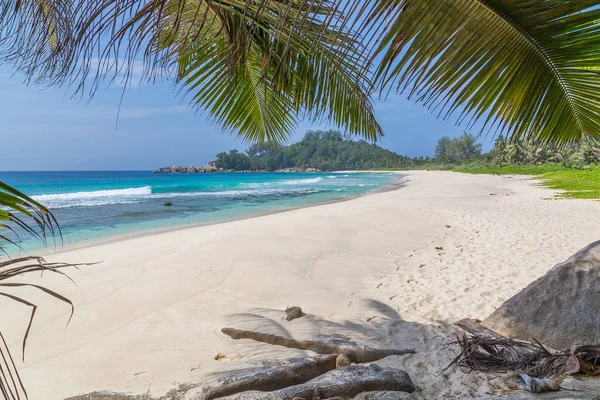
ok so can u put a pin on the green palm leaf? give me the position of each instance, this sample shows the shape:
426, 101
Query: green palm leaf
257, 66
526, 68
20, 213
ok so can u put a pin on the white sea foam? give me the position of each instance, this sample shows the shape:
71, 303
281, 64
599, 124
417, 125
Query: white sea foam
279, 183
93, 198
303, 181
137, 195
95, 194
230, 193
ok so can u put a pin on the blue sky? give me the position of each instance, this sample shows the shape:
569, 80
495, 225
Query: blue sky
45, 129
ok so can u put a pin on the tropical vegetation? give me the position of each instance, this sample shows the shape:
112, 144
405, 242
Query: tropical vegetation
573, 168
465, 149
318, 150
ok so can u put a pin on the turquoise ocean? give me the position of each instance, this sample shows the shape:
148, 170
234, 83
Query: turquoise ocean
98, 205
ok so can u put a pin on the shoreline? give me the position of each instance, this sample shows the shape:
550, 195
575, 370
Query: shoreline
157, 231
393, 268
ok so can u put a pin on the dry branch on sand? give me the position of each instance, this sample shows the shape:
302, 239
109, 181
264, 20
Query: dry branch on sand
322, 344
484, 350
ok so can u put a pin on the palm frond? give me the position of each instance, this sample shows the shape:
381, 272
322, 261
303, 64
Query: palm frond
19, 212
523, 68
256, 65
11, 385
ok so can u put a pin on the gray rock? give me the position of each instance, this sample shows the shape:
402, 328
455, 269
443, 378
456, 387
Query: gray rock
559, 309
322, 344
292, 313
384, 396
176, 169
341, 383
272, 375
342, 361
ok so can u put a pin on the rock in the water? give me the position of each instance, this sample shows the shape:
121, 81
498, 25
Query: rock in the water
177, 169
560, 309
168, 204
293, 313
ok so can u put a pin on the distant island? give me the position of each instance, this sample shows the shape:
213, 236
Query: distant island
317, 151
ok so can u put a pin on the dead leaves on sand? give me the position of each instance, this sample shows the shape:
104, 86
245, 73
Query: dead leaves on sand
484, 350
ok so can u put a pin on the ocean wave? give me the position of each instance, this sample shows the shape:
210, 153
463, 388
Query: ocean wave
303, 181
233, 193
93, 198
94, 194
278, 183
138, 195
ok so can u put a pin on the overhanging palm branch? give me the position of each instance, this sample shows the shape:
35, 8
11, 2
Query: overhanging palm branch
255, 65
11, 385
19, 213
257, 78
529, 68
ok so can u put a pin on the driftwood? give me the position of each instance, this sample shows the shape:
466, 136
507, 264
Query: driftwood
323, 344
342, 383
273, 376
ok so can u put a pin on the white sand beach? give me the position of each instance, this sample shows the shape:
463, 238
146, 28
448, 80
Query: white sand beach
394, 267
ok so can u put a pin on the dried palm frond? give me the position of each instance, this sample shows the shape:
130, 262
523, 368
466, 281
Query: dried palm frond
496, 355
482, 350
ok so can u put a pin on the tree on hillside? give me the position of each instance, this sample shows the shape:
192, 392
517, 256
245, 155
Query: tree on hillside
323, 150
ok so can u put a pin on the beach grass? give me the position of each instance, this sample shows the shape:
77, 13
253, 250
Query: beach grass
573, 183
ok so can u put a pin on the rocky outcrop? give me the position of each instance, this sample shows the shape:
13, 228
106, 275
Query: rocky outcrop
176, 169
322, 344
296, 169
341, 383
560, 309
211, 167
384, 396
273, 375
